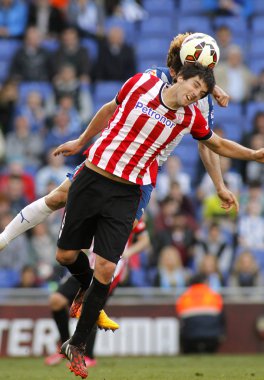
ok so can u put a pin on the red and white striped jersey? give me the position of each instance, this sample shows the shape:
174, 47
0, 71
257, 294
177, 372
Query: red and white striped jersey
141, 129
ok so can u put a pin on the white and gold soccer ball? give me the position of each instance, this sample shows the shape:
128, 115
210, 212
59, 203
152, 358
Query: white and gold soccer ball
200, 47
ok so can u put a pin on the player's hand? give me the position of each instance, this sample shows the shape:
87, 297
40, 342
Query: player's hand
221, 96
228, 200
259, 155
69, 148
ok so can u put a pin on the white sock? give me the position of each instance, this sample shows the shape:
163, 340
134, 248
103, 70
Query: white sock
33, 214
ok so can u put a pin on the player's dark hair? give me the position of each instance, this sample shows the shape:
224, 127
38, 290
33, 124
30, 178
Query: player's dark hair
196, 69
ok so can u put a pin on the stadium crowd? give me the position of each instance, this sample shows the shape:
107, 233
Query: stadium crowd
59, 62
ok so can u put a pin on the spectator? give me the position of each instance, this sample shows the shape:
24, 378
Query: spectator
28, 278
170, 271
15, 167
233, 179
229, 7
70, 52
16, 194
54, 171
24, 144
34, 111
201, 314
61, 132
8, 99
246, 271
256, 129
87, 16
184, 202
253, 191
234, 76
172, 172
251, 227
165, 214
75, 95
224, 37
31, 61
43, 249
255, 172
180, 235
214, 242
17, 254
116, 59
209, 268
13, 18
49, 20
257, 94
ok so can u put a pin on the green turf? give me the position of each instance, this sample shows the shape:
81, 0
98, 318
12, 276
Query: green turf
154, 368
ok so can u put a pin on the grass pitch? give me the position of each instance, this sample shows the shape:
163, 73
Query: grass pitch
147, 368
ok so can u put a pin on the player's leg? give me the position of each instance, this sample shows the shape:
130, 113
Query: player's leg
35, 213
59, 304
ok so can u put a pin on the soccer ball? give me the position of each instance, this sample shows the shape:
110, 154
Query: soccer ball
200, 47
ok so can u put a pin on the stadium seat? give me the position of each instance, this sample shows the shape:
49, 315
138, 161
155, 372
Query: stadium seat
161, 26
149, 48
157, 7
8, 278
233, 114
50, 44
233, 131
251, 110
4, 70
92, 47
258, 7
195, 24
8, 48
257, 28
191, 7
256, 65
105, 91
45, 88
144, 64
237, 25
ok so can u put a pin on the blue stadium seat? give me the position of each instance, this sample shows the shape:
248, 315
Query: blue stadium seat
195, 24
158, 26
258, 7
149, 48
144, 64
4, 70
251, 111
105, 91
256, 65
50, 44
45, 88
233, 131
8, 48
257, 26
8, 278
256, 48
233, 114
191, 7
92, 47
237, 25
157, 7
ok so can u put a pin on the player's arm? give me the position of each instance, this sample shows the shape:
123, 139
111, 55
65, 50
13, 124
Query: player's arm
232, 149
211, 162
221, 96
97, 124
142, 243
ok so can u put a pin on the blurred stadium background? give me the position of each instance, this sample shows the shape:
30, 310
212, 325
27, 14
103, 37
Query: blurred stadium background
52, 81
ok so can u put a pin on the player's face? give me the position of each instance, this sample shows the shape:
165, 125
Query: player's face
190, 90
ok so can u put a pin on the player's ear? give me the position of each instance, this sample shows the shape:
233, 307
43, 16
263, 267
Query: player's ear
179, 79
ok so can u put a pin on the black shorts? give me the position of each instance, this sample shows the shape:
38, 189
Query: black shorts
99, 208
69, 287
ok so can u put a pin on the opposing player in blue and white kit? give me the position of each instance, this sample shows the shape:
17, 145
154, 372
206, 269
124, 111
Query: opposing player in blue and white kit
39, 210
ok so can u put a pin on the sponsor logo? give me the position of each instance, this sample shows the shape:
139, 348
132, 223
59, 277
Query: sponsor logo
155, 115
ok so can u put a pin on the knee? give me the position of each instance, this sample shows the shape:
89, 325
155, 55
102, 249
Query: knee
57, 301
56, 199
66, 257
104, 270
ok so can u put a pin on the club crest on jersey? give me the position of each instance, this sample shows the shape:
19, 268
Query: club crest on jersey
155, 115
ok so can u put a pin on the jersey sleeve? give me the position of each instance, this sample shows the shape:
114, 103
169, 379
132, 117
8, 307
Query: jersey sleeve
146, 191
126, 88
200, 129
206, 106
